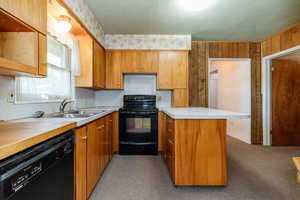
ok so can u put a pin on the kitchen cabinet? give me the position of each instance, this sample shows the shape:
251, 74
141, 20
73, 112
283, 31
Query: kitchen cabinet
139, 61
93, 156
42, 55
161, 132
172, 70
31, 12
92, 59
93, 151
81, 163
180, 98
109, 134
115, 132
195, 151
99, 65
114, 76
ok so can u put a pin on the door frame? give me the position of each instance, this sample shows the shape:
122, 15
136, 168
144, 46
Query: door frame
266, 90
210, 60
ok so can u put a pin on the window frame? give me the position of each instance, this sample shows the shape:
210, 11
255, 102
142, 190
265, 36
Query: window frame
72, 80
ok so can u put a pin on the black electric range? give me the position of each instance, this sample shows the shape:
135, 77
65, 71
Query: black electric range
138, 125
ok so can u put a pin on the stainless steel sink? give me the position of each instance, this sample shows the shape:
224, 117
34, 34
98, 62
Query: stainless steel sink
79, 114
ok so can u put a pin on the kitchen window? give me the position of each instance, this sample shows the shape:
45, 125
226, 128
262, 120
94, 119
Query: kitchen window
57, 85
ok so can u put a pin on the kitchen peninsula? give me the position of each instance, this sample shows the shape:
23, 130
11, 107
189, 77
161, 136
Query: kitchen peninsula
193, 141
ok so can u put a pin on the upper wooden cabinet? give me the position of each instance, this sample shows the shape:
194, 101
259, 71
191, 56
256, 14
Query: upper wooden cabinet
99, 65
23, 49
31, 12
114, 77
134, 61
172, 70
42, 55
92, 59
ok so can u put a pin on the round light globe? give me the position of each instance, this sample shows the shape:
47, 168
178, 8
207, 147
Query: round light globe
195, 5
64, 26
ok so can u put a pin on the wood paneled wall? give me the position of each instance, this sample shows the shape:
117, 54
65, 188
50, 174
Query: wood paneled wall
198, 73
286, 39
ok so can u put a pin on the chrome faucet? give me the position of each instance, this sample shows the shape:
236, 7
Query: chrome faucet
63, 105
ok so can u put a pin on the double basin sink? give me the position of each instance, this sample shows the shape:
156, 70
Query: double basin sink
75, 114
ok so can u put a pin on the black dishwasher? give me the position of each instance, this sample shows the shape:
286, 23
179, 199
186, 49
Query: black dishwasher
43, 172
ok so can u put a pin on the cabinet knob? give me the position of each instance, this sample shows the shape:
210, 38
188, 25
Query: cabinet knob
110, 120
84, 138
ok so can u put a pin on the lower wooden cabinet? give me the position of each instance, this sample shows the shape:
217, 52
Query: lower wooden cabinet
80, 163
93, 151
195, 151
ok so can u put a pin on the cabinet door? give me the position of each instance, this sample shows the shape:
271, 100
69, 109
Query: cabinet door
98, 66
165, 66
139, 61
172, 70
179, 70
147, 62
86, 61
80, 163
93, 145
180, 98
42, 55
102, 144
32, 12
109, 132
114, 76
161, 132
115, 134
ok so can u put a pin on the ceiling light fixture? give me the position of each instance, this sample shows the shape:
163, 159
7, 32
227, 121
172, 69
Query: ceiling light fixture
64, 23
195, 5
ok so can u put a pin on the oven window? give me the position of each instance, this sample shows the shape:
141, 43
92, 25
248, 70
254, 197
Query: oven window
138, 125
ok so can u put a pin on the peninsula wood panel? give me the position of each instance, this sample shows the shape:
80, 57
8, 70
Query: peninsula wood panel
114, 77
32, 12
80, 163
198, 75
200, 152
281, 41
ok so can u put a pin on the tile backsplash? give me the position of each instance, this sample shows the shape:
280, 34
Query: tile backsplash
134, 84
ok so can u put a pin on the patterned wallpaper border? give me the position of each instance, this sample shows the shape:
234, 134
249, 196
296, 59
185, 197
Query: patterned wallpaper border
159, 42
120, 41
87, 17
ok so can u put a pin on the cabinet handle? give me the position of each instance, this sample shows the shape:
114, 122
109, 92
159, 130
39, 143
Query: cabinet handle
101, 127
84, 138
171, 142
110, 120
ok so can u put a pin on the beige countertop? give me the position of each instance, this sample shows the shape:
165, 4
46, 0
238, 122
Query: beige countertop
18, 135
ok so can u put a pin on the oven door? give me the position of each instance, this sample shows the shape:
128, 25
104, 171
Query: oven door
138, 133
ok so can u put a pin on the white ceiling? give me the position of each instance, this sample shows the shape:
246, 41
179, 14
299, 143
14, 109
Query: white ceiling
226, 20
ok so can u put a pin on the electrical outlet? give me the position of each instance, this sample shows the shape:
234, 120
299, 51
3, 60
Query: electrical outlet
11, 97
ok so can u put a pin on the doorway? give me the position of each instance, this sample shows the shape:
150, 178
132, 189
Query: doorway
280, 92
286, 100
230, 89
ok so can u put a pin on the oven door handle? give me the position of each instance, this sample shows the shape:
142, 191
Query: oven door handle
138, 143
